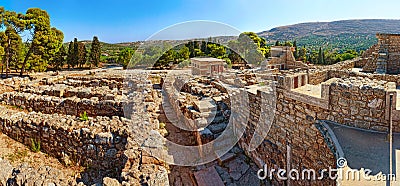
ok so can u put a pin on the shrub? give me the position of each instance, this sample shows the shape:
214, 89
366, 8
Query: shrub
162, 125
84, 116
184, 63
35, 146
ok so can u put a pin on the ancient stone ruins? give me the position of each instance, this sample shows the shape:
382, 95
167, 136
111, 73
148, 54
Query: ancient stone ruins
133, 116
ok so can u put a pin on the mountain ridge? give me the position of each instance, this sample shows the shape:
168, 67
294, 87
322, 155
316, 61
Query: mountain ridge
353, 34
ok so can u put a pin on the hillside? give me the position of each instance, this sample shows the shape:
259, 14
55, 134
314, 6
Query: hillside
340, 35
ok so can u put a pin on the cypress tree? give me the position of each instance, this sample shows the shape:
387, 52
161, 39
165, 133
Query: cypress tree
95, 52
82, 53
70, 57
320, 56
296, 52
75, 53
59, 59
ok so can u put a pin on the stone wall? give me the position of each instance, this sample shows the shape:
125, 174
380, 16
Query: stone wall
98, 143
68, 106
390, 44
85, 81
317, 77
383, 57
354, 101
14, 82
60, 90
105, 146
366, 59
359, 102
93, 83
294, 127
347, 74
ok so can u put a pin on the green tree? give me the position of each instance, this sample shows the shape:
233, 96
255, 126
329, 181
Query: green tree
95, 52
168, 57
296, 51
70, 57
59, 60
216, 50
303, 54
204, 47
82, 54
12, 45
259, 41
247, 48
320, 56
349, 54
125, 56
10, 41
43, 41
288, 43
184, 53
75, 51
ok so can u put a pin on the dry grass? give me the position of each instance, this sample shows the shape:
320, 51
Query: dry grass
18, 153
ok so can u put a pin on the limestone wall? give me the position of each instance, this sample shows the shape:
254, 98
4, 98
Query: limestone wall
60, 90
98, 143
105, 146
354, 101
359, 102
318, 76
68, 106
14, 82
391, 44
347, 74
86, 81
294, 127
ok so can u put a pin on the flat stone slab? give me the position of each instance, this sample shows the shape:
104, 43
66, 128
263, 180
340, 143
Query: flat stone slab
311, 90
205, 105
226, 157
249, 179
208, 177
237, 168
217, 99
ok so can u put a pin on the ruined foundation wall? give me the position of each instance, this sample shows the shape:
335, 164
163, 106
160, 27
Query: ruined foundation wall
391, 43
360, 103
69, 106
357, 102
294, 126
98, 143
317, 77
105, 146
347, 74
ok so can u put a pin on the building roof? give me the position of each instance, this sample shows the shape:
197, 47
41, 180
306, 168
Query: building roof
207, 59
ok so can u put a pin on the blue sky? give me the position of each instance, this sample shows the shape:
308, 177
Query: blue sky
117, 21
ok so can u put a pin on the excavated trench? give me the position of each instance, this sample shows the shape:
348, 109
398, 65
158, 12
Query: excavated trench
233, 168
